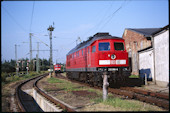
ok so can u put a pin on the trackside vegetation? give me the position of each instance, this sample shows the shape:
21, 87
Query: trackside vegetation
5, 79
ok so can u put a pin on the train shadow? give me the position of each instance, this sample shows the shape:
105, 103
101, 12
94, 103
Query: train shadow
130, 82
29, 102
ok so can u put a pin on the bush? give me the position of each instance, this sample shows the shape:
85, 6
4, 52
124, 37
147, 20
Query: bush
16, 78
32, 74
6, 67
3, 77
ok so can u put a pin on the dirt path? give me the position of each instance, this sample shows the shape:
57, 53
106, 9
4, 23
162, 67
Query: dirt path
8, 98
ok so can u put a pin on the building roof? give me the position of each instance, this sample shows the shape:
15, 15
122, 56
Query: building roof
145, 49
147, 32
159, 31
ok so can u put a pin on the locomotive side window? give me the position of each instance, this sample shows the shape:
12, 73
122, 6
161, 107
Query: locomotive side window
93, 49
104, 46
118, 46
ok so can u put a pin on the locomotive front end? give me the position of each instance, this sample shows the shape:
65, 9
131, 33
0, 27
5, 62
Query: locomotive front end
112, 55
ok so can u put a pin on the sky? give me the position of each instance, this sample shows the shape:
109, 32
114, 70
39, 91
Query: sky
72, 19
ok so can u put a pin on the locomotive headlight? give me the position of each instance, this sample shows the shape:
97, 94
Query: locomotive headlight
113, 56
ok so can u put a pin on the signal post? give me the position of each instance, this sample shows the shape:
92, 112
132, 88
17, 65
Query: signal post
51, 62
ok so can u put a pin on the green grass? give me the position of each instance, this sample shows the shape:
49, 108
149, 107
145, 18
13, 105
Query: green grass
7, 80
62, 84
117, 102
54, 80
67, 85
134, 76
125, 105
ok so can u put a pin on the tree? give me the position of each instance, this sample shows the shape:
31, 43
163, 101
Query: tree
6, 67
13, 63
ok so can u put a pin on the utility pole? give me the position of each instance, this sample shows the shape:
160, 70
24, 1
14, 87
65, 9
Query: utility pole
27, 66
37, 58
51, 62
31, 52
17, 66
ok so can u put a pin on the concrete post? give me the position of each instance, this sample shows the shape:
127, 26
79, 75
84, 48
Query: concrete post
146, 79
105, 86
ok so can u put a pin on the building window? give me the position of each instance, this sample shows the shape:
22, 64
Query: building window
118, 46
104, 46
93, 49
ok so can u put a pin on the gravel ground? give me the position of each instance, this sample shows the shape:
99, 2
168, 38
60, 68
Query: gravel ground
8, 98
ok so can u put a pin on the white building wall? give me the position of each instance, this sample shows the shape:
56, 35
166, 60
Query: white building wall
161, 43
146, 63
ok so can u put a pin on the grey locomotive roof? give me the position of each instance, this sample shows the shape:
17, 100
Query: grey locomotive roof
97, 36
147, 32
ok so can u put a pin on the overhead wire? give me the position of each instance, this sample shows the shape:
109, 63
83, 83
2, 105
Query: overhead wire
41, 41
111, 16
98, 24
15, 20
106, 21
32, 15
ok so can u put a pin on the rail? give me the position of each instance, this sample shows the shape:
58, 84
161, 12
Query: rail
23, 106
18, 94
56, 102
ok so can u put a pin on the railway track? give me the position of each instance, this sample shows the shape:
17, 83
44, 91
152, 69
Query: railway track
27, 103
158, 99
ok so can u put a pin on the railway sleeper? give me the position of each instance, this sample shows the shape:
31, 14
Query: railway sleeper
151, 100
127, 94
141, 91
163, 96
140, 97
153, 94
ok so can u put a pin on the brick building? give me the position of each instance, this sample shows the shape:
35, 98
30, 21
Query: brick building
135, 40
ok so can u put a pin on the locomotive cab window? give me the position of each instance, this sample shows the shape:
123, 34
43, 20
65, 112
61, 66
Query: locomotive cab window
93, 49
118, 46
104, 46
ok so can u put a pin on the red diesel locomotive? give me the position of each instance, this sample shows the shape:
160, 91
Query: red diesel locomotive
57, 68
100, 53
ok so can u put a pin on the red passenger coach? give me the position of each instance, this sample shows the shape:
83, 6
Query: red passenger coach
57, 68
100, 53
